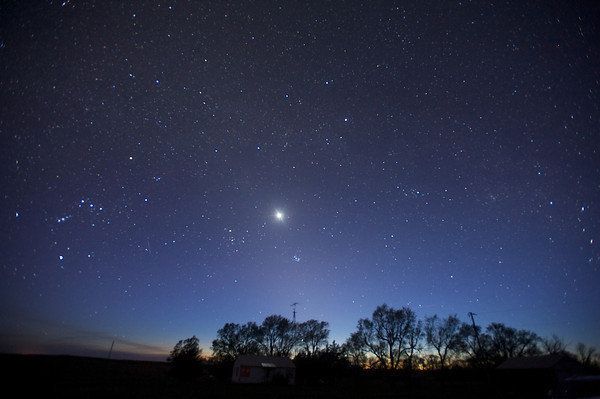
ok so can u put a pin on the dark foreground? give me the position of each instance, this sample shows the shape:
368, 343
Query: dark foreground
78, 377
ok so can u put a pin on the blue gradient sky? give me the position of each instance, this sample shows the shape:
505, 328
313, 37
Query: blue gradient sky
442, 156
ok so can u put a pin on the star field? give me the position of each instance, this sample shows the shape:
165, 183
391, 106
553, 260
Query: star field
173, 166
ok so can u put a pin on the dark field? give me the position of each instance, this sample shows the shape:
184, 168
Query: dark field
79, 377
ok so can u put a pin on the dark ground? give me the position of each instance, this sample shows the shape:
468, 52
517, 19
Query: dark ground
79, 377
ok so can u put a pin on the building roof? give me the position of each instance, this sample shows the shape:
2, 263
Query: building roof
264, 361
538, 362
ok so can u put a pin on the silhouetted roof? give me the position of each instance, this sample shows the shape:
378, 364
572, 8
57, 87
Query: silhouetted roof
537, 362
264, 361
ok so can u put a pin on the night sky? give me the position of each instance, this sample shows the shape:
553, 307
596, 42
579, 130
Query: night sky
169, 167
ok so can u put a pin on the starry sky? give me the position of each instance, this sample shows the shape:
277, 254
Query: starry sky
172, 166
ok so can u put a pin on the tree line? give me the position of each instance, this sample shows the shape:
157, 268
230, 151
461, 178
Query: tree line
390, 339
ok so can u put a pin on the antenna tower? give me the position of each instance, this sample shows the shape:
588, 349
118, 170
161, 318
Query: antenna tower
471, 315
293, 305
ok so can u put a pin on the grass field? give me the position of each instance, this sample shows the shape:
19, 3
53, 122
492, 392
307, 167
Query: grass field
80, 377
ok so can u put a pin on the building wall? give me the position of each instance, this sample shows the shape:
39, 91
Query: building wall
255, 375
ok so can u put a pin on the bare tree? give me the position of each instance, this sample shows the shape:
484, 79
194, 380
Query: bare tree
355, 350
585, 354
385, 335
553, 345
507, 342
279, 336
313, 335
443, 335
413, 340
471, 343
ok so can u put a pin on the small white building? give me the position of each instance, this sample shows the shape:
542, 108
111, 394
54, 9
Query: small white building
252, 369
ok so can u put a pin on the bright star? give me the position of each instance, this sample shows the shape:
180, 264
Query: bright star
279, 215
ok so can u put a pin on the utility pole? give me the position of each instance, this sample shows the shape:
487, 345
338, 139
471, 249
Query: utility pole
111, 348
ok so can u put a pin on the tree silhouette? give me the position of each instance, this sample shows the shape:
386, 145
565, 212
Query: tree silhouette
313, 335
187, 350
473, 345
386, 334
234, 340
507, 342
554, 345
279, 336
354, 349
585, 354
413, 341
390, 339
186, 356
443, 335
325, 365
